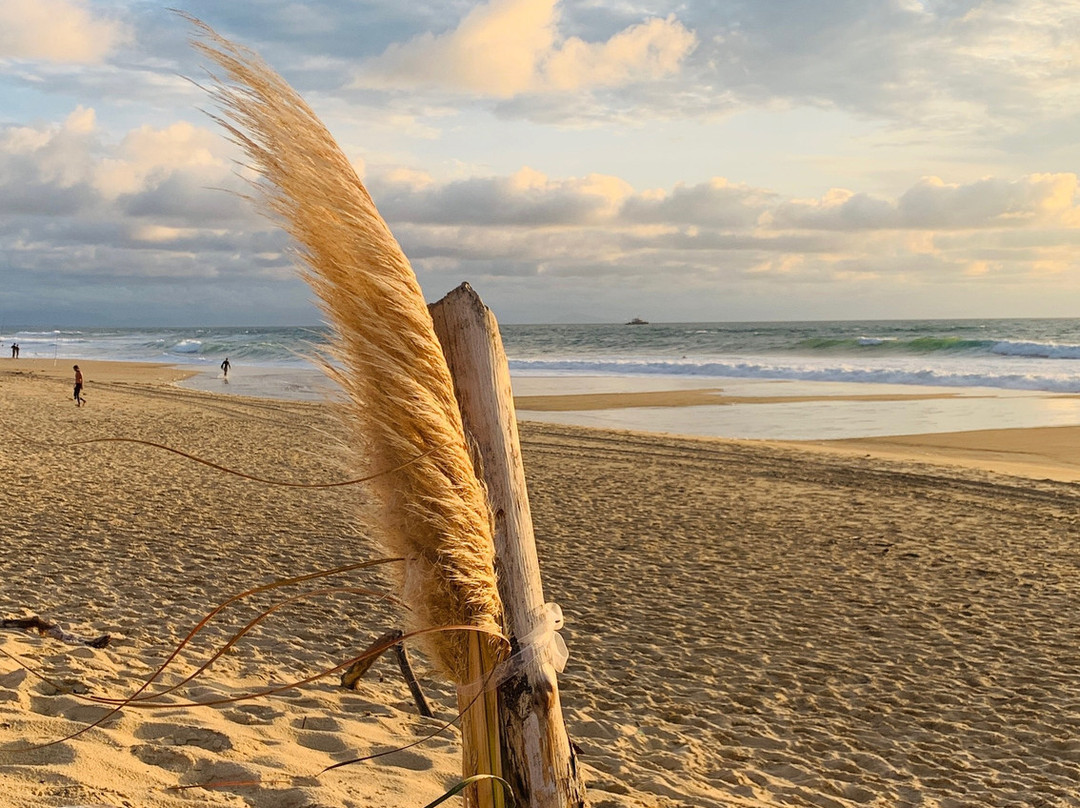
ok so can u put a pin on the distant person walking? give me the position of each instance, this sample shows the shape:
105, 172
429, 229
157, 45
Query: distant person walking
79, 401
225, 367
14, 350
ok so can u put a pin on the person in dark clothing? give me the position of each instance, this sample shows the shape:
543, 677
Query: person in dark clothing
79, 400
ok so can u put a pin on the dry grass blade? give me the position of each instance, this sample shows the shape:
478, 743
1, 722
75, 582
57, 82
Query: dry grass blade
187, 640
217, 466
147, 699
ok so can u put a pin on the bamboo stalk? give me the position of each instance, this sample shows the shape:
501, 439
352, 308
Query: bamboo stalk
480, 737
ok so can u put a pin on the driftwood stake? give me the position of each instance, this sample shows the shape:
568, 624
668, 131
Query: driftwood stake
47, 629
537, 757
351, 677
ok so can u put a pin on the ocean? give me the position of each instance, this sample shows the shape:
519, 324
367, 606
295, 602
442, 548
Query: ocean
1008, 357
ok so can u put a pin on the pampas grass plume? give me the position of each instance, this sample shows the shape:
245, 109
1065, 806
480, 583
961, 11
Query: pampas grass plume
400, 395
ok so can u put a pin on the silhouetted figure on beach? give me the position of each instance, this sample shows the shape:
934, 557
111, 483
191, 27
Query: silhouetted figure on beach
225, 367
14, 350
78, 387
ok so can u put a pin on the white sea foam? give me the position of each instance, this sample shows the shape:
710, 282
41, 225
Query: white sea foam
1019, 375
1038, 350
187, 346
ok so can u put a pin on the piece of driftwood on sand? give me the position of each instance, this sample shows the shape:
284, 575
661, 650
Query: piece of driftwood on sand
48, 629
538, 760
352, 675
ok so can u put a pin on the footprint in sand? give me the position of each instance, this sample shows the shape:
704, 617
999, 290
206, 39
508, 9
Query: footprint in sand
407, 760
253, 714
317, 723
184, 736
164, 757
217, 771
13, 687
321, 741
58, 755
73, 709
12, 681
292, 798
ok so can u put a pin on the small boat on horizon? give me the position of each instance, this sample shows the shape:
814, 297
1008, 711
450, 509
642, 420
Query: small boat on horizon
637, 321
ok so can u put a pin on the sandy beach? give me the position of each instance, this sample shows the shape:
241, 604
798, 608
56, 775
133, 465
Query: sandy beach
880, 622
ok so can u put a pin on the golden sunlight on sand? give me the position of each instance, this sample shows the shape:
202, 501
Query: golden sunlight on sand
749, 624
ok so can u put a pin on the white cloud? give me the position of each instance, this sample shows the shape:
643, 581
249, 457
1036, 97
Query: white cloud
553, 234
147, 152
527, 198
56, 31
81, 204
651, 50
951, 89
717, 202
143, 206
508, 47
1035, 199
933, 204
48, 168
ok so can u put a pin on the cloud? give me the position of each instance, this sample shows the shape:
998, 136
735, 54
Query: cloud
147, 153
81, 207
679, 249
1035, 199
82, 204
717, 203
984, 67
56, 31
180, 199
932, 204
650, 50
527, 198
508, 47
48, 170
839, 209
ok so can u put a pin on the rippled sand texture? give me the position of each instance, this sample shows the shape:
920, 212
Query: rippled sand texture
130, 541
748, 625
807, 630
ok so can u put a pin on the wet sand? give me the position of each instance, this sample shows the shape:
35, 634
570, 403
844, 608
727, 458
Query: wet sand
584, 402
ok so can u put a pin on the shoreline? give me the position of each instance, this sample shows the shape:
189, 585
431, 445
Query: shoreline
1037, 452
114, 371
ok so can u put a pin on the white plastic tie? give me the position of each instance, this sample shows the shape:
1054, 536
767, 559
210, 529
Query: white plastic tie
544, 641
543, 644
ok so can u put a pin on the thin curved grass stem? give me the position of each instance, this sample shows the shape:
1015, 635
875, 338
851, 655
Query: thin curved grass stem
64, 689
132, 702
323, 674
438, 731
226, 469
145, 698
191, 634
277, 781
480, 692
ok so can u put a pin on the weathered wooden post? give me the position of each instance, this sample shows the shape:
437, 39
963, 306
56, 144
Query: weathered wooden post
536, 754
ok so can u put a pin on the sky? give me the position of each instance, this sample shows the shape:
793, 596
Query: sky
574, 161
